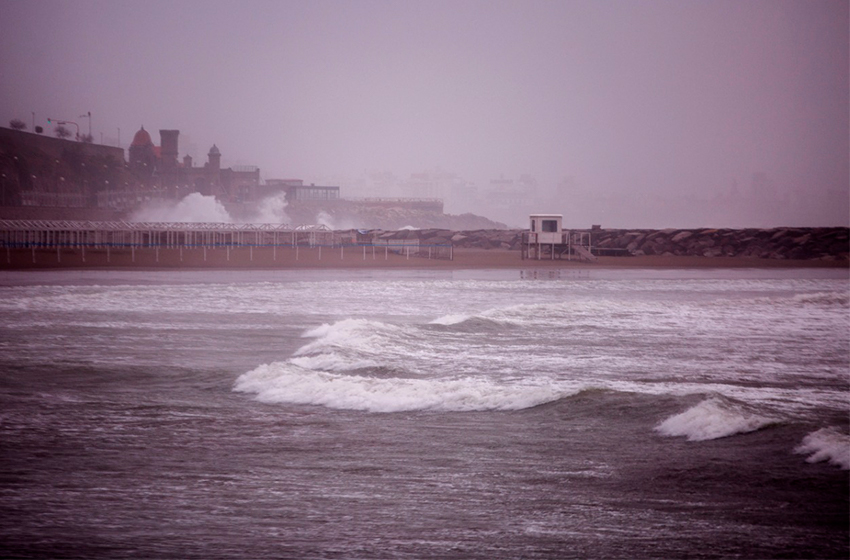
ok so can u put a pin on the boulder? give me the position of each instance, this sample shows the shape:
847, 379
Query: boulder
681, 236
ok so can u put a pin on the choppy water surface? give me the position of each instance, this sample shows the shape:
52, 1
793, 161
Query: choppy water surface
599, 414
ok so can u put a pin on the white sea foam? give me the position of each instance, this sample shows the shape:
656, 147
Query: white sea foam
328, 371
451, 319
356, 344
841, 299
284, 382
713, 418
514, 315
826, 444
333, 361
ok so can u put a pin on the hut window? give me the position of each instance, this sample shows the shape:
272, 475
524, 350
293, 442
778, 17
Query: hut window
549, 226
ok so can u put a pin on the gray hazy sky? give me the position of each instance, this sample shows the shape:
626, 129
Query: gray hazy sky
647, 96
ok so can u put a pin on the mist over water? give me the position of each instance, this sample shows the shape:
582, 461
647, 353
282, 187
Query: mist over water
635, 114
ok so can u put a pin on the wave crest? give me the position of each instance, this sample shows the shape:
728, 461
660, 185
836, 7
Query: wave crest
352, 344
451, 319
714, 418
826, 444
524, 314
841, 299
284, 382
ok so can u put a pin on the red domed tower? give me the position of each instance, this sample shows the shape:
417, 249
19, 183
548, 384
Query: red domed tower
142, 153
215, 158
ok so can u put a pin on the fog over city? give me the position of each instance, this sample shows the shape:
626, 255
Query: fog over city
625, 113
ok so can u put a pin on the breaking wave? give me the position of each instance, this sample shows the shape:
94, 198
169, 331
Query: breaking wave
355, 344
714, 418
285, 382
368, 365
451, 319
826, 444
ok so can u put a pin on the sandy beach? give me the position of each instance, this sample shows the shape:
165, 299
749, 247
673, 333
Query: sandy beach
359, 258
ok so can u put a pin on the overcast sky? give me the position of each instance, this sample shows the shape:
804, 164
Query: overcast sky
678, 97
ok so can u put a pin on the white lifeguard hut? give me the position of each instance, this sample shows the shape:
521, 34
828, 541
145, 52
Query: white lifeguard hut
547, 227
546, 238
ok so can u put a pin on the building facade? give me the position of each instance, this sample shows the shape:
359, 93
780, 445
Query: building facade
159, 168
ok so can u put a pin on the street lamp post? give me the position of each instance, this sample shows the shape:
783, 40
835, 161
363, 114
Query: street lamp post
66, 122
87, 116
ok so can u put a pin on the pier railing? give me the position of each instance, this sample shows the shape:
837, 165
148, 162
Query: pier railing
58, 235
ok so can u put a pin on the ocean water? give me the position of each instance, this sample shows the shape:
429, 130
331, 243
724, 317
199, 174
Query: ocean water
414, 414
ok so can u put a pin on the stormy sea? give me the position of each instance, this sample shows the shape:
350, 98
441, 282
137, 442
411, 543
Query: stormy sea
372, 414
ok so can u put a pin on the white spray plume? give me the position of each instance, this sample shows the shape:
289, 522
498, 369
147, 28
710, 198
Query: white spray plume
325, 219
195, 207
272, 210
827, 444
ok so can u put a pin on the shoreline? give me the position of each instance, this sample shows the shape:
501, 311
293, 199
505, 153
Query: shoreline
355, 259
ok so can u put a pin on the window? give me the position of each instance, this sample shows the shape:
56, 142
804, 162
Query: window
549, 226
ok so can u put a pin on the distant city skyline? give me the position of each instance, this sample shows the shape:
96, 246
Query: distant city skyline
642, 106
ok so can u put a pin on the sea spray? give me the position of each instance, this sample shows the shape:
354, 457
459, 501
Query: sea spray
194, 207
271, 210
325, 219
826, 444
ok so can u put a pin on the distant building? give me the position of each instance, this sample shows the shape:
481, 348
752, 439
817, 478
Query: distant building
296, 190
433, 184
158, 166
143, 154
507, 199
37, 170
508, 193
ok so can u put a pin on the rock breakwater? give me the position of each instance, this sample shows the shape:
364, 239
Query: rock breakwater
825, 243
